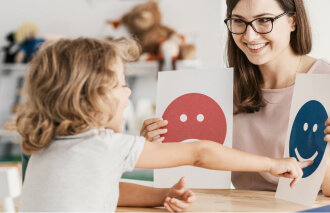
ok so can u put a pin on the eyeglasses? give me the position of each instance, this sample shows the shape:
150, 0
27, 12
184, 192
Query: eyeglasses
259, 25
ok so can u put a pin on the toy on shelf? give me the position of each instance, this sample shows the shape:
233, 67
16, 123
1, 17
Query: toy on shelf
158, 42
27, 36
11, 50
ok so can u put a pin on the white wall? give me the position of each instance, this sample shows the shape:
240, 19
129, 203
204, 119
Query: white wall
319, 11
199, 21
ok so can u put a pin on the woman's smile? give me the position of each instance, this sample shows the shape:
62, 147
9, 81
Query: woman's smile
256, 48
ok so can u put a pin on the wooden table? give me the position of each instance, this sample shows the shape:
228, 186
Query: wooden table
232, 200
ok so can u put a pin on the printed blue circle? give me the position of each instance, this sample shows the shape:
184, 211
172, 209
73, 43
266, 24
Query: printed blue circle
307, 135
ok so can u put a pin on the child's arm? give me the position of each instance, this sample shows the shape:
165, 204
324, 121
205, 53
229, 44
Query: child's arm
211, 155
175, 199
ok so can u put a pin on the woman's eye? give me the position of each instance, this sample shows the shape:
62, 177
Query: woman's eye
237, 21
263, 20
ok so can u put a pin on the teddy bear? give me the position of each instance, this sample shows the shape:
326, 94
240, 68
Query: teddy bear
158, 42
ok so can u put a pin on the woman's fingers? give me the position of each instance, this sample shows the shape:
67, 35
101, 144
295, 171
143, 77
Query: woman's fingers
327, 123
151, 135
152, 128
156, 125
148, 122
158, 140
327, 130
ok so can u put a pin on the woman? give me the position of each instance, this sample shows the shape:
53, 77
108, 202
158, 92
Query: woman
268, 42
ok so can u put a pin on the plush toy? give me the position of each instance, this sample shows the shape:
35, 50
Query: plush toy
157, 41
27, 36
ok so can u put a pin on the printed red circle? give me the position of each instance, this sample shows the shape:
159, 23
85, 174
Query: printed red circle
195, 116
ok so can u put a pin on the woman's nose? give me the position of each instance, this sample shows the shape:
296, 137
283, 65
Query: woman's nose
250, 34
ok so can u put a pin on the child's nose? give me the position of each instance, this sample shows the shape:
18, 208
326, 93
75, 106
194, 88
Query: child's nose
129, 91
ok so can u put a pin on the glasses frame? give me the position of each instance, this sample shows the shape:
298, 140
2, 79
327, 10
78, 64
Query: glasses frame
250, 23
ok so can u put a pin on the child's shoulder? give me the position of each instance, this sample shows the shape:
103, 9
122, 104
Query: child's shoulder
120, 137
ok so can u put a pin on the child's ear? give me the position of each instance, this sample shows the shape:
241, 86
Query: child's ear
293, 22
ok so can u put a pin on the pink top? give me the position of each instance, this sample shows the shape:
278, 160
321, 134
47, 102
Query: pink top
264, 132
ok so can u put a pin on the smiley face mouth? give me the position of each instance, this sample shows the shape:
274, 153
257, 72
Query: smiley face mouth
301, 159
189, 140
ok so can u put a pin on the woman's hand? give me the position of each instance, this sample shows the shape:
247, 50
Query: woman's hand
326, 180
152, 129
178, 198
288, 168
327, 131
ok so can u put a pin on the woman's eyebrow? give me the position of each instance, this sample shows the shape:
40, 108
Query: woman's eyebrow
257, 16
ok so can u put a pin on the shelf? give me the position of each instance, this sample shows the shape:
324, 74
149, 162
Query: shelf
12, 135
13, 69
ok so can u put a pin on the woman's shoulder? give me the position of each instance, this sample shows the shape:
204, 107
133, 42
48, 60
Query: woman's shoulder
320, 66
326, 62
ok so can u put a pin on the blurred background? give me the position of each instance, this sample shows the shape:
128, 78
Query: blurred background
197, 40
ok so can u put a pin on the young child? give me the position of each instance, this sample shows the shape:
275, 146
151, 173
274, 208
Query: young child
71, 123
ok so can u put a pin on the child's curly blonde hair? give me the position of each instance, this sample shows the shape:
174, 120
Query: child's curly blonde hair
67, 89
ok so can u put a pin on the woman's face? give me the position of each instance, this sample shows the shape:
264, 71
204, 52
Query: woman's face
263, 48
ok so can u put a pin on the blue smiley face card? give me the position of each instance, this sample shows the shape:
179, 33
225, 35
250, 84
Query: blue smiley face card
310, 109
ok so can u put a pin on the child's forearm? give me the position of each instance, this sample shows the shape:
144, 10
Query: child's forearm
140, 196
215, 156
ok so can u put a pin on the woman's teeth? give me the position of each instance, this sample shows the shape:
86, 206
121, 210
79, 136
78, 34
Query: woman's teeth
255, 47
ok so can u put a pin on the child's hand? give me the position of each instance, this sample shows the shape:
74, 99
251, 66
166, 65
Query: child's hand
288, 168
179, 199
327, 131
152, 128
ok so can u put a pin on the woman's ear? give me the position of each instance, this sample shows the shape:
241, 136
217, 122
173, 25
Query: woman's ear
293, 22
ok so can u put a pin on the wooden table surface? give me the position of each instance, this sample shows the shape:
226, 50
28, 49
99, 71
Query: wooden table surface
231, 200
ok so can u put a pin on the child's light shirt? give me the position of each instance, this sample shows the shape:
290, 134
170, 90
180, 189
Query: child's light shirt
264, 132
80, 172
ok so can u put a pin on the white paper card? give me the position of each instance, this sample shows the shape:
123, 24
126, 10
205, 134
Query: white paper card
198, 105
310, 109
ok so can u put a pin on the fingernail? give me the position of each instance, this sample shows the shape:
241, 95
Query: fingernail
164, 130
165, 121
173, 201
162, 138
167, 199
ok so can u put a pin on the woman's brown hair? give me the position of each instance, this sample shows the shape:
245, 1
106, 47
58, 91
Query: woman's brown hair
67, 88
247, 77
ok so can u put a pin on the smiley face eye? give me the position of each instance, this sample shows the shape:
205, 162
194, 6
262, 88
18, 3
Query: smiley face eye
183, 118
200, 117
305, 127
315, 128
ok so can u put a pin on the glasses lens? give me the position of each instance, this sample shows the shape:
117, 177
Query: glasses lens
263, 25
236, 25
